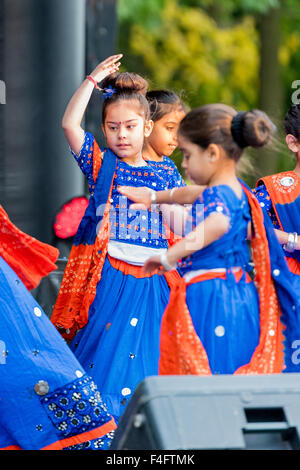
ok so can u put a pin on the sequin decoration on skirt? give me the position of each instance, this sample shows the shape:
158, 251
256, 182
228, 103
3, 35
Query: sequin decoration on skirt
47, 400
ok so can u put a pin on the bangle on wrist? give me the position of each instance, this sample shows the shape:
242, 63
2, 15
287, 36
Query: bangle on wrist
165, 263
291, 243
153, 196
91, 79
172, 193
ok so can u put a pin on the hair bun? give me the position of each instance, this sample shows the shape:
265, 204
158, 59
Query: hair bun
257, 128
125, 81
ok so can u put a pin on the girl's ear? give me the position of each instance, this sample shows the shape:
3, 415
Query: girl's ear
148, 128
214, 153
102, 127
292, 143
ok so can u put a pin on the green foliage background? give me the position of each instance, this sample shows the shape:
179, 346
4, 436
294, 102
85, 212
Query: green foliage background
209, 51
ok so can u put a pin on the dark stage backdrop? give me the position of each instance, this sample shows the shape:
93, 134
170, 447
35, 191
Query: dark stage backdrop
46, 49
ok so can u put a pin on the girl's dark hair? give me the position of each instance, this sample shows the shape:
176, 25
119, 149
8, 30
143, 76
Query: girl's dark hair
128, 87
162, 102
292, 121
213, 124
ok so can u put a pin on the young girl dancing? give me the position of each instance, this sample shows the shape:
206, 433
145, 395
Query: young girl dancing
279, 195
105, 293
218, 320
47, 400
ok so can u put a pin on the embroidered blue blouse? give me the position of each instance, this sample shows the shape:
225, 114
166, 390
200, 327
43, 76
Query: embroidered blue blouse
168, 170
231, 249
143, 227
265, 202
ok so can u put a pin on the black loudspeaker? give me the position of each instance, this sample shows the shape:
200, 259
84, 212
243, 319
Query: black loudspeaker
47, 291
258, 412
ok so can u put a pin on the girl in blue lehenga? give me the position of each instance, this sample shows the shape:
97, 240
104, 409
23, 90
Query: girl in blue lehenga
104, 292
47, 400
218, 321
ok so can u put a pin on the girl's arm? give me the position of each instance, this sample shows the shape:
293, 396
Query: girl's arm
143, 196
283, 238
170, 202
71, 122
208, 231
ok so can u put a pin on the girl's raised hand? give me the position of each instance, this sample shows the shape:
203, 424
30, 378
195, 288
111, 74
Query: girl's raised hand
105, 68
141, 196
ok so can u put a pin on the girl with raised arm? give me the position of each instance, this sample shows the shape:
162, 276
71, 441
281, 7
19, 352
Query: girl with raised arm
105, 293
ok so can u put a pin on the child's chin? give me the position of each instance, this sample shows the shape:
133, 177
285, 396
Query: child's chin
123, 155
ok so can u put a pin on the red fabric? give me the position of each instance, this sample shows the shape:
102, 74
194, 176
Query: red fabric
293, 264
181, 349
28, 257
69, 217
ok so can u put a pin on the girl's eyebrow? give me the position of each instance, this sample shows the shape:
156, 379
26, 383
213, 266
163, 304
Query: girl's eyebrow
121, 122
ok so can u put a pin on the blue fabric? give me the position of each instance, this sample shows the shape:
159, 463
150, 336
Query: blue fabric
119, 346
227, 316
31, 350
227, 322
289, 215
143, 227
168, 170
265, 202
92, 218
288, 288
231, 249
234, 306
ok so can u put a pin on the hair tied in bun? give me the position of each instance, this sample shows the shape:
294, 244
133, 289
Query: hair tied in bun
237, 129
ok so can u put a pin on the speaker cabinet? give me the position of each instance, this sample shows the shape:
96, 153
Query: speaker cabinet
215, 412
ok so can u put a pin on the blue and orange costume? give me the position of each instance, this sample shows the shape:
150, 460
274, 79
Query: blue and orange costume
279, 195
105, 293
168, 170
47, 400
241, 326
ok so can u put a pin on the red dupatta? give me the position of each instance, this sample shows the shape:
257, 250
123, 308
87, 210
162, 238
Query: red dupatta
30, 259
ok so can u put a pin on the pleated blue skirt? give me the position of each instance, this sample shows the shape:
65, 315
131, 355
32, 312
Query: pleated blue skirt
119, 346
225, 315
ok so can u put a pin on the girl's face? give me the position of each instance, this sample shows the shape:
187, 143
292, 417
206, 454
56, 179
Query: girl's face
198, 163
163, 138
125, 129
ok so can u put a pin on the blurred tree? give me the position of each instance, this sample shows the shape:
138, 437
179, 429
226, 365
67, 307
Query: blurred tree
241, 52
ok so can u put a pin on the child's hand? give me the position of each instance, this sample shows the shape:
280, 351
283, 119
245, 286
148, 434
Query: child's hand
105, 68
152, 264
142, 196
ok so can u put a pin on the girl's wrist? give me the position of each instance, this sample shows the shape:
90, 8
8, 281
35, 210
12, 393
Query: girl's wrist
166, 264
292, 242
